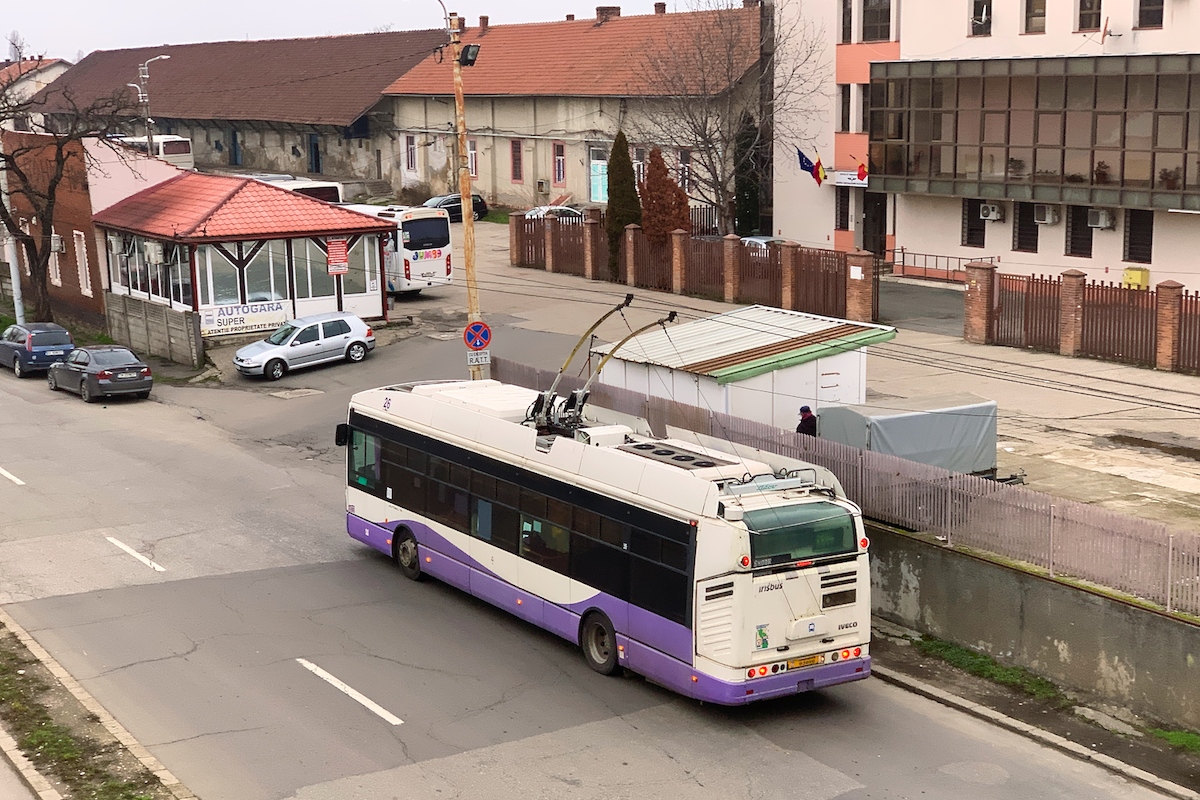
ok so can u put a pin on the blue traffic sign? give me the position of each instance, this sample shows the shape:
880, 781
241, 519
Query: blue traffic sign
477, 336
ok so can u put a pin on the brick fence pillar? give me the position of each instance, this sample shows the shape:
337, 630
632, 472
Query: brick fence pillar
1168, 298
630, 259
679, 254
789, 252
516, 240
551, 228
591, 229
730, 267
979, 306
1070, 314
860, 285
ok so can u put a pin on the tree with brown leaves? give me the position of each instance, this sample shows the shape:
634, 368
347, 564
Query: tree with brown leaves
664, 204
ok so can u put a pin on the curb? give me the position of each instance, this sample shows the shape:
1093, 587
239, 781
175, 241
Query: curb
1030, 732
37, 782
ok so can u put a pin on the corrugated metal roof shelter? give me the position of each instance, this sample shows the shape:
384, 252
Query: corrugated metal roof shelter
757, 362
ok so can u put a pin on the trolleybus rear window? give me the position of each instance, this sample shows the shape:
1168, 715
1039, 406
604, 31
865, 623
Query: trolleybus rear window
799, 533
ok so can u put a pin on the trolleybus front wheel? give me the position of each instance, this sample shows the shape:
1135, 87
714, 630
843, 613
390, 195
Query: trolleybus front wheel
407, 558
598, 640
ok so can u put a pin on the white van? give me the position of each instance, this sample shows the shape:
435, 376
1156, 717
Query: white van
175, 150
416, 254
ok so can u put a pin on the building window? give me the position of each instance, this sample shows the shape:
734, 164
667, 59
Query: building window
560, 164
410, 153
1079, 234
1139, 235
685, 170
981, 17
844, 97
518, 168
1150, 13
639, 165
472, 158
1089, 15
54, 265
235, 148
81, 262
877, 20
974, 229
847, 21
1025, 228
314, 153
841, 220
1035, 16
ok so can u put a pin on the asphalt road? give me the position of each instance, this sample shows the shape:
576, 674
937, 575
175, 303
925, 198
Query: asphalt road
221, 654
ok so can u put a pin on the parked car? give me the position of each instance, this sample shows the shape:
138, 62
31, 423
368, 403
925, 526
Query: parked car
101, 371
564, 213
305, 342
34, 346
453, 205
762, 242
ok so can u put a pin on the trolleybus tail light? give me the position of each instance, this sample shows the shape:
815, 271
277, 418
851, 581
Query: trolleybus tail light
428, 559
750, 673
845, 654
857, 652
447, 265
802, 564
864, 542
407, 270
762, 670
745, 561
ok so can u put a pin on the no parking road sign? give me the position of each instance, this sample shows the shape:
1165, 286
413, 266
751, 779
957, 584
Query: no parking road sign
477, 336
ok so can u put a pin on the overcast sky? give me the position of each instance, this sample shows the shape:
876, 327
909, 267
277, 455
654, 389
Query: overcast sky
64, 28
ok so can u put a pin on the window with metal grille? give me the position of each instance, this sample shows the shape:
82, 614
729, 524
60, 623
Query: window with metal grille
981, 17
842, 214
1025, 228
1079, 235
1089, 15
1035, 16
1150, 14
518, 168
974, 229
877, 20
1139, 235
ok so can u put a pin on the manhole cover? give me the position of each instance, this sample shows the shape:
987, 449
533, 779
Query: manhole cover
292, 394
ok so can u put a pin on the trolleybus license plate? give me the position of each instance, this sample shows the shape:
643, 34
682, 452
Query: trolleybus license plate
807, 661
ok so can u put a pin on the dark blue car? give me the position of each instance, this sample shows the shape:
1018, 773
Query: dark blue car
33, 347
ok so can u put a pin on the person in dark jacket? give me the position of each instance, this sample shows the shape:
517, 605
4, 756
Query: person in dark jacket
808, 421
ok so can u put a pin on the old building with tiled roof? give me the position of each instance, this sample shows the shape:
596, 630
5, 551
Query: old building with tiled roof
21, 80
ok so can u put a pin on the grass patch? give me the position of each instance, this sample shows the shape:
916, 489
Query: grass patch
1184, 740
984, 666
78, 761
499, 215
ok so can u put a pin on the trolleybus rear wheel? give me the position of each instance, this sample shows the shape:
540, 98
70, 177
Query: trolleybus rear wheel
598, 640
407, 557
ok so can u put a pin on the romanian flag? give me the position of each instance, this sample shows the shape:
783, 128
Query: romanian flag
862, 171
814, 169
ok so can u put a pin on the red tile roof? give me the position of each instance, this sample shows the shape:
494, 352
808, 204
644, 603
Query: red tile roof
330, 80
195, 207
10, 71
590, 58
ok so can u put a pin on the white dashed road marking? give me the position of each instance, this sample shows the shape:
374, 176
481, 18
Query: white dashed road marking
11, 477
345, 688
137, 555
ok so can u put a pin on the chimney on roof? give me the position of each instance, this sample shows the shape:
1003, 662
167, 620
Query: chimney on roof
660, 8
483, 23
570, 17
605, 13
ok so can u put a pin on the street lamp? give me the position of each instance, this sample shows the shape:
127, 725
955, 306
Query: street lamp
464, 57
144, 97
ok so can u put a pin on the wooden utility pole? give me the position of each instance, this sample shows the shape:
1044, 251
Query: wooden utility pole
466, 195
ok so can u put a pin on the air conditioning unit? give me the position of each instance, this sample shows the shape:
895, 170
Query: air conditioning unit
543, 187
153, 252
1101, 218
1044, 214
992, 211
56, 244
115, 245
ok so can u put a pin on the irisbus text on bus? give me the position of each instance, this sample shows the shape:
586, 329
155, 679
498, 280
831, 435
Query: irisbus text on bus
416, 255
724, 573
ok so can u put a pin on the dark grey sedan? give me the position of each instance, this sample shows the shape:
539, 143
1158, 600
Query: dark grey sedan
94, 372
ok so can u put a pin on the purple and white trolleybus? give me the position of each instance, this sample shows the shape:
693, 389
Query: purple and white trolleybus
722, 572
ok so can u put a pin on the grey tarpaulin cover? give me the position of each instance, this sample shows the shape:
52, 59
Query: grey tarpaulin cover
956, 432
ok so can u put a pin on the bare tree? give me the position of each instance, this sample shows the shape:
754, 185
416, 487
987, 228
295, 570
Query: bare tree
727, 63
35, 164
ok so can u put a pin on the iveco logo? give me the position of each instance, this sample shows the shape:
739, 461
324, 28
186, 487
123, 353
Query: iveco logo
846, 625
770, 587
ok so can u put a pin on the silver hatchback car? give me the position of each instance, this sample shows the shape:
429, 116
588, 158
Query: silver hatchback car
305, 342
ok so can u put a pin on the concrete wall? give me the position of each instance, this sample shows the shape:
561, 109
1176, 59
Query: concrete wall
147, 327
1118, 653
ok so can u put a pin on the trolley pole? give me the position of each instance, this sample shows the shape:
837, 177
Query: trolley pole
464, 183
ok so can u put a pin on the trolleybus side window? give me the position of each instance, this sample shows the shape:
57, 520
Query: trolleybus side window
365, 461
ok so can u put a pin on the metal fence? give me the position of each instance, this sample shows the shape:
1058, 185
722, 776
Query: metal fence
1119, 324
1064, 538
568, 248
819, 284
704, 220
760, 276
705, 274
1027, 312
929, 266
1189, 333
653, 270
533, 242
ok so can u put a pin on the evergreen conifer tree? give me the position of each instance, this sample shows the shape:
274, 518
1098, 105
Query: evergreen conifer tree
624, 207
